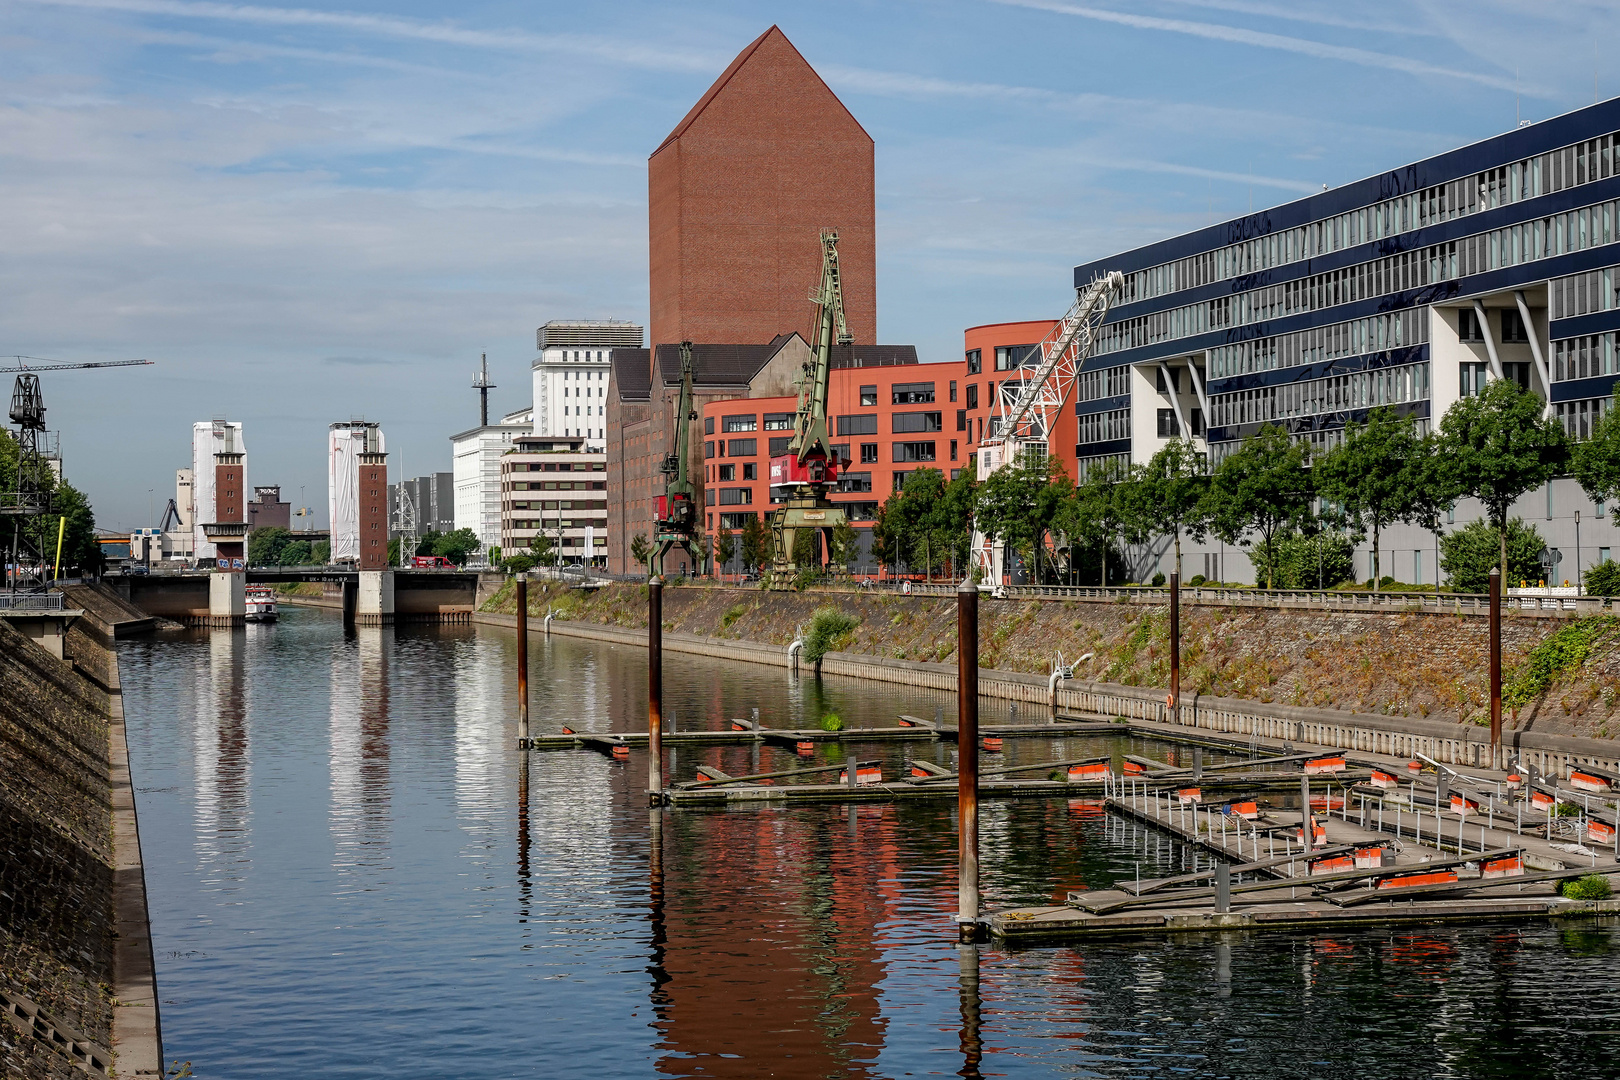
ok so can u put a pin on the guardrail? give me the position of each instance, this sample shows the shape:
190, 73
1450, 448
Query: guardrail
1319, 599
10, 601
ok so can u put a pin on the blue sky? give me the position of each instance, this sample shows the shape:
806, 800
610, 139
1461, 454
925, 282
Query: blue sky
310, 213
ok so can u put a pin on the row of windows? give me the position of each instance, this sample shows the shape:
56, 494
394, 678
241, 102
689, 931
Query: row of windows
728, 473
548, 524
1584, 357
1543, 174
1170, 426
903, 451
1360, 390
1103, 426
1116, 464
1473, 377
1354, 338
1579, 417
1559, 234
906, 423
1582, 294
1104, 382
576, 504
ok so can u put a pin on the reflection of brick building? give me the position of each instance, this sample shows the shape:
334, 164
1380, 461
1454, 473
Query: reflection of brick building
737, 195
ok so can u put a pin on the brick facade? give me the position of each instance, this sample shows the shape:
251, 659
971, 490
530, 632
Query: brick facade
371, 492
737, 195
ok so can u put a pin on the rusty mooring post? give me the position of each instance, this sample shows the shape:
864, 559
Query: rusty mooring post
967, 761
523, 659
1496, 667
1175, 648
655, 690
1306, 833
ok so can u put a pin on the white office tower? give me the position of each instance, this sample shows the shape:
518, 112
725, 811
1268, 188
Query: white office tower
571, 377
345, 443
209, 437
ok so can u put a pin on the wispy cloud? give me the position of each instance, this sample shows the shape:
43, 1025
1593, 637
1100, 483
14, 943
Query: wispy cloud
1314, 18
615, 50
1259, 39
232, 50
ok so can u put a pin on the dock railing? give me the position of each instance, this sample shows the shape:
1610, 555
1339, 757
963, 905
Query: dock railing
51, 601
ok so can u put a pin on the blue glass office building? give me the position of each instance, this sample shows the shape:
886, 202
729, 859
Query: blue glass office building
1411, 288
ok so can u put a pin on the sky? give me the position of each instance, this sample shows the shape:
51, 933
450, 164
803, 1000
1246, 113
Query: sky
307, 213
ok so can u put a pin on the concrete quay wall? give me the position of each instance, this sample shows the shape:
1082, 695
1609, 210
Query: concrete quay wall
76, 970
1228, 718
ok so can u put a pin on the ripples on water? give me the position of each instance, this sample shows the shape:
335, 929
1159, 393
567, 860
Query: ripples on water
351, 874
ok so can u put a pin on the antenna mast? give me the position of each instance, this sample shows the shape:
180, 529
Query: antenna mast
482, 384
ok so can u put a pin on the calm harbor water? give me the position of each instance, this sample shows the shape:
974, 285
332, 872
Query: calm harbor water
352, 874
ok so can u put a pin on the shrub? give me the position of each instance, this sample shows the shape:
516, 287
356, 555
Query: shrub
1589, 887
827, 625
1304, 561
1158, 581
733, 613
1564, 650
1468, 554
1604, 579
832, 722
1196, 580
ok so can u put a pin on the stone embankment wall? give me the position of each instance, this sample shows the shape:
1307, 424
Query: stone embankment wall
1416, 666
75, 959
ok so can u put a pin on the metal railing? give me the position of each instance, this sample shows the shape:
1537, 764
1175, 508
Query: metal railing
22, 601
1320, 599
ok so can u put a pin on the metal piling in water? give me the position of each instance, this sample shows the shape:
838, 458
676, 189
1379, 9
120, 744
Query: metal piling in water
967, 748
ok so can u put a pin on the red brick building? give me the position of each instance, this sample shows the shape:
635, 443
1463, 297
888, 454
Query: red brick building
737, 196
372, 495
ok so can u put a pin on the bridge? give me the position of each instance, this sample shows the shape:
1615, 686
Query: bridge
374, 597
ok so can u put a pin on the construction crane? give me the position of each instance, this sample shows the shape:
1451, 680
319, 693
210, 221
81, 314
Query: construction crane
810, 467
676, 521
30, 499
1021, 426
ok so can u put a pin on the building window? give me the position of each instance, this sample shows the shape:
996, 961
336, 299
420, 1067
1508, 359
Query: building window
738, 423
961, 420
778, 421
736, 496
1175, 380
868, 396
708, 425
869, 453
973, 396
914, 451
898, 479
744, 447
1603, 555
708, 449
1471, 378
1197, 420
858, 425
1468, 328
1013, 357
1513, 329
735, 521
953, 449
750, 471
779, 445
953, 389
855, 482
1168, 428
916, 393
860, 511
726, 472
909, 422
975, 362
840, 451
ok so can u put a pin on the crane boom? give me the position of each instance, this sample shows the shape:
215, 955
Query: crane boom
810, 423
35, 363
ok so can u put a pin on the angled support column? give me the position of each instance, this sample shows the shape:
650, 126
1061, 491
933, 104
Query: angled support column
1490, 341
1175, 400
1543, 361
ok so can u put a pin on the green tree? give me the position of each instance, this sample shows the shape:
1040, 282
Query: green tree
1595, 461
296, 553
1017, 504
1307, 560
846, 544
457, 546
1262, 487
1495, 447
807, 549
954, 520
540, 550
426, 544
266, 545
641, 549
1468, 554
320, 553
1099, 512
1170, 492
725, 547
1379, 475
393, 551
80, 548
755, 543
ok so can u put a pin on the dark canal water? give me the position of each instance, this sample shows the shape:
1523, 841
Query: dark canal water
346, 881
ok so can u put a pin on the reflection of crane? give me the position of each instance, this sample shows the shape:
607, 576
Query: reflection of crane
676, 521
1022, 426
31, 497
809, 468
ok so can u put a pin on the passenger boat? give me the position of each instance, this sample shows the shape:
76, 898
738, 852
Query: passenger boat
261, 604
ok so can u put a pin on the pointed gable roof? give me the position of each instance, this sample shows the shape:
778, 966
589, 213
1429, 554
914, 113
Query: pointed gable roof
773, 35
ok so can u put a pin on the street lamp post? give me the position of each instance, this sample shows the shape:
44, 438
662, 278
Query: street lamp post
1577, 553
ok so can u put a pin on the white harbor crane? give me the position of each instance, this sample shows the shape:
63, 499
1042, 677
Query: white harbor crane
1022, 422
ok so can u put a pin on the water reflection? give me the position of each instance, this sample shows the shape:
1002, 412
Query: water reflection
221, 759
360, 819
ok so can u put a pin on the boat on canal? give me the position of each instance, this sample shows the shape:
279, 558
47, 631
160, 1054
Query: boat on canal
261, 604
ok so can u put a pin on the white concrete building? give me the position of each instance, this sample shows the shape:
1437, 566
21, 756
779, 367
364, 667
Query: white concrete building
208, 437
571, 377
476, 474
345, 442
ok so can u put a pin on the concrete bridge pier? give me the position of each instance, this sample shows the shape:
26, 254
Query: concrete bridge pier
374, 604
227, 599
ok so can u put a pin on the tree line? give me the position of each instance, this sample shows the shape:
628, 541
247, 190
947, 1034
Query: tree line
1295, 513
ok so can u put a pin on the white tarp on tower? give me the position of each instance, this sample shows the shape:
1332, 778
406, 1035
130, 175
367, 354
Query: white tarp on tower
346, 442
209, 437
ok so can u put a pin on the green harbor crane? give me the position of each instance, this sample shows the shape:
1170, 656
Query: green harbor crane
676, 521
